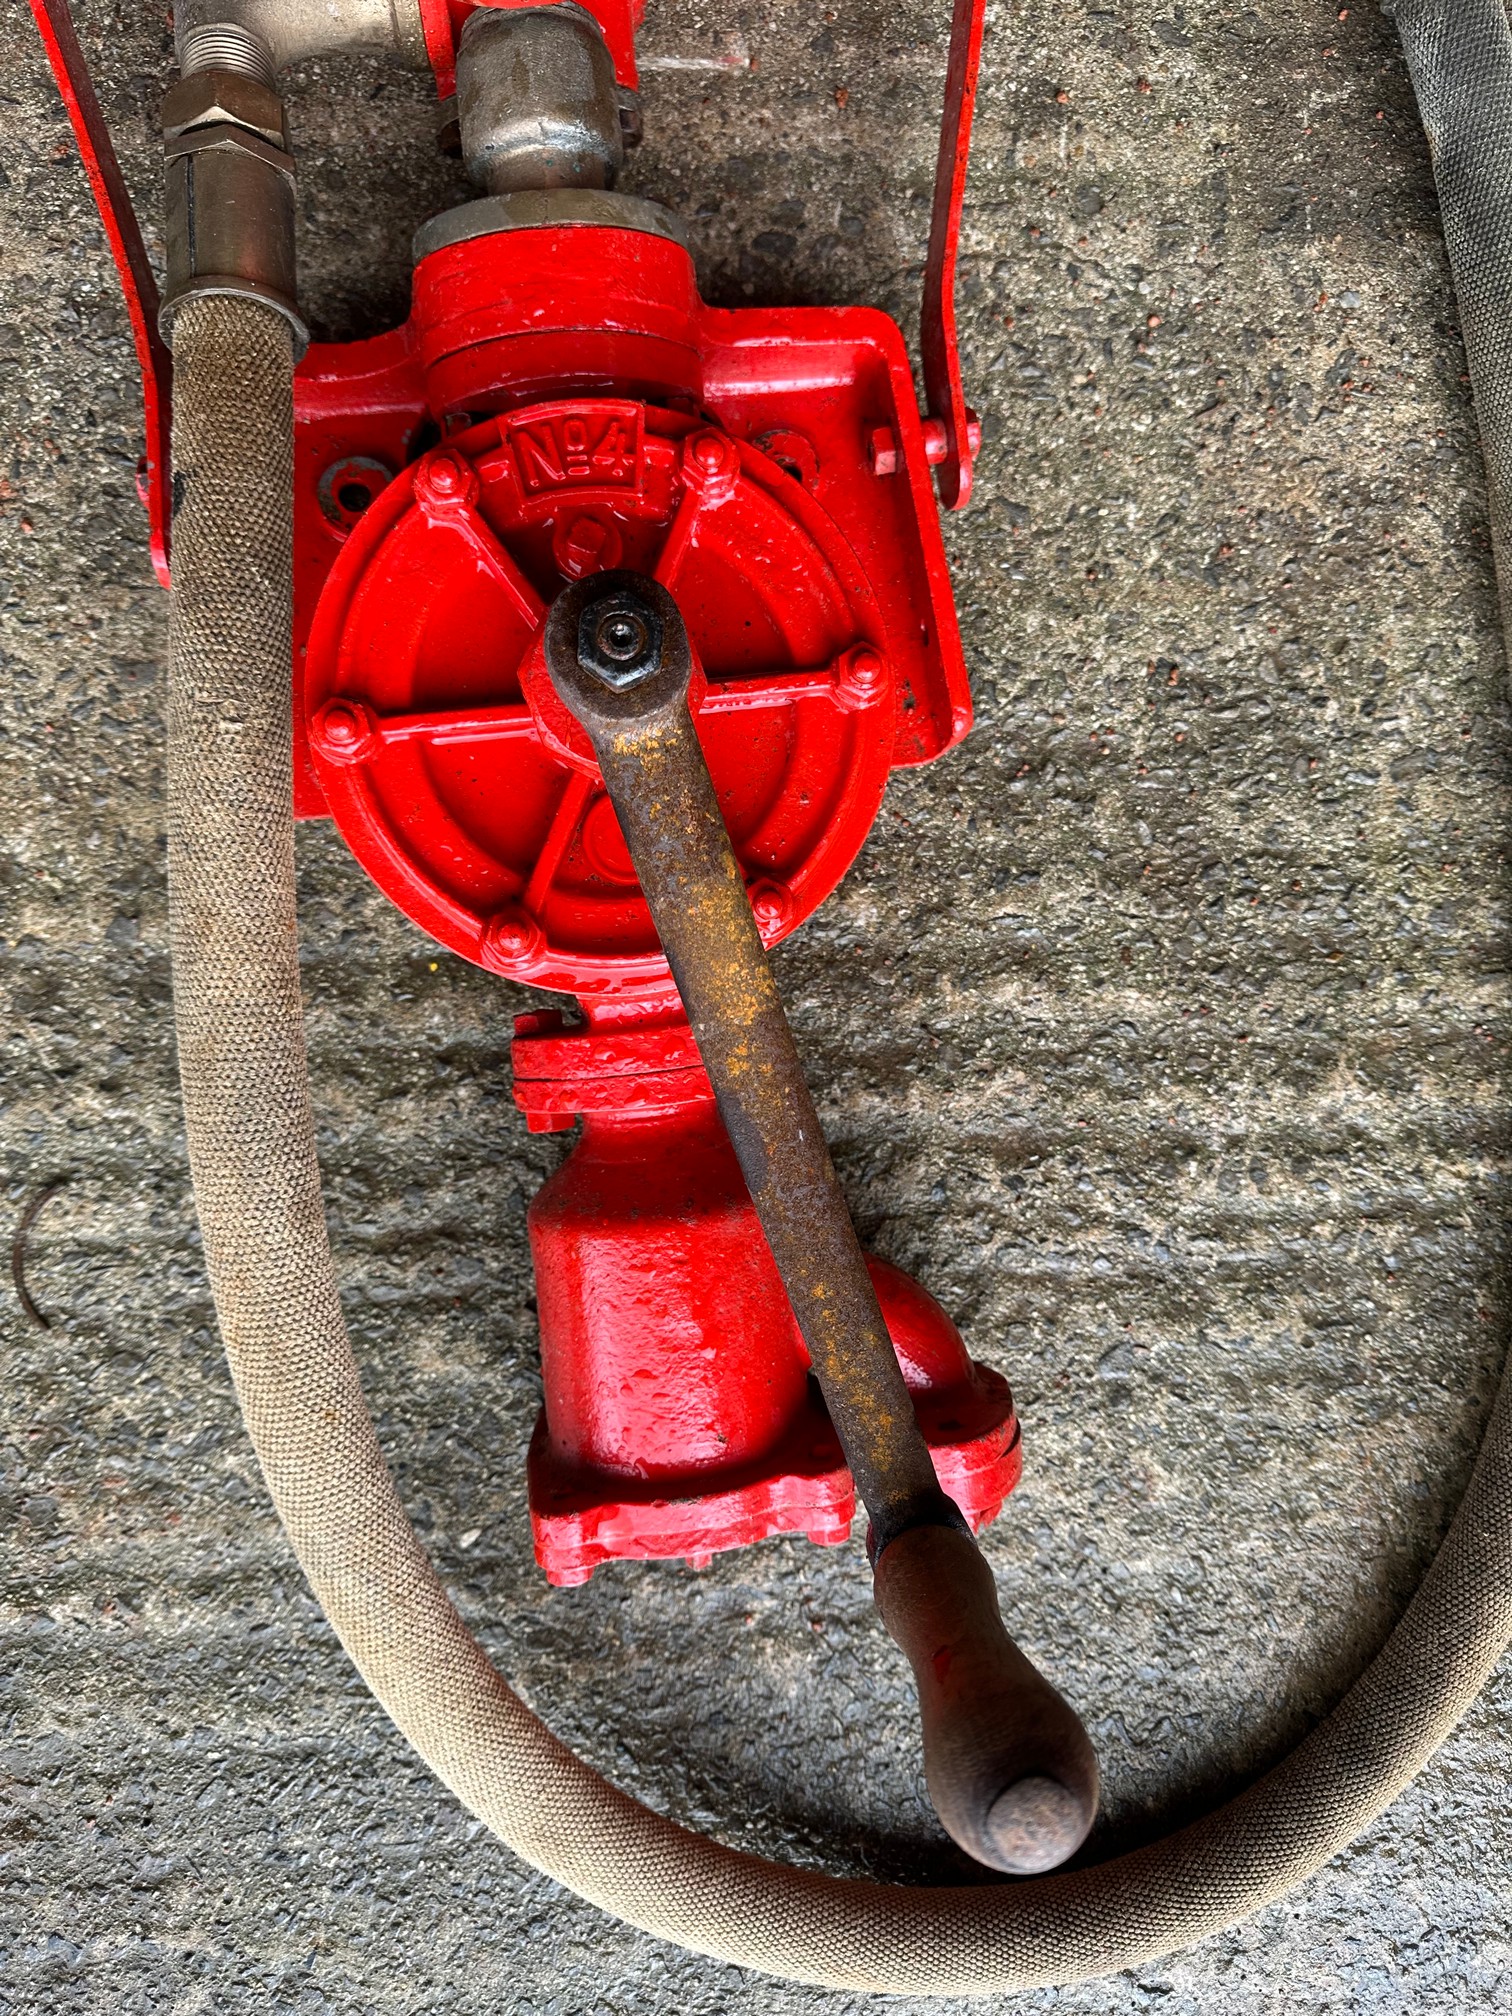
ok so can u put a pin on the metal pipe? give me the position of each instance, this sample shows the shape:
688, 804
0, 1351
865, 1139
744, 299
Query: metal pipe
537, 101
228, 34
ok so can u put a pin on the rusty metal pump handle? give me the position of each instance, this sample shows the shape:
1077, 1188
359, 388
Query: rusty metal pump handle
1009, 1766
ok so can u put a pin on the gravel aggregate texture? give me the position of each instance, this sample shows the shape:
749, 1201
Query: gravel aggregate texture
1162, 1030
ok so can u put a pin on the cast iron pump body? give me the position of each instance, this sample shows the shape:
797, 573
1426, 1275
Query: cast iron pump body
562, 402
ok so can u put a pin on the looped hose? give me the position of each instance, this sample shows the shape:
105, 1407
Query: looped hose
252, 1151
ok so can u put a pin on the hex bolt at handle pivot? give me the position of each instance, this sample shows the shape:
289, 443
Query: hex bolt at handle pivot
1010, 1769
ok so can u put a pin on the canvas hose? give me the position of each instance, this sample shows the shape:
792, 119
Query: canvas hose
252, 1150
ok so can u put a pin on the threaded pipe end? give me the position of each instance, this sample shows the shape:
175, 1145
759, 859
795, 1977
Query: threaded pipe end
223, 45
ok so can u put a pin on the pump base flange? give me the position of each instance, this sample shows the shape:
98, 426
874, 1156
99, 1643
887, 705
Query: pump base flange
583, 1517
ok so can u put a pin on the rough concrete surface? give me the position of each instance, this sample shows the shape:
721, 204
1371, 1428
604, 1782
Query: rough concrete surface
1162, 1030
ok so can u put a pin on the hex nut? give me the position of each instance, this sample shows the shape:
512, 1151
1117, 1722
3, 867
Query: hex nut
625, 661
861, 679
223, 98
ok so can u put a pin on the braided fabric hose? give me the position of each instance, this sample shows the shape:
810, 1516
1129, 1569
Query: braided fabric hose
252, 1151
1459, 54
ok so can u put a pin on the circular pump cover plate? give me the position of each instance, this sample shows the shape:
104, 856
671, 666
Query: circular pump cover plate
454, 772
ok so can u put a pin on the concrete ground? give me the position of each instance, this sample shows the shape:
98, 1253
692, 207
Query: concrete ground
1162, 1030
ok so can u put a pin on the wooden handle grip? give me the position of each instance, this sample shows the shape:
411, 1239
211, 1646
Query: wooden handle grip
1010, 1768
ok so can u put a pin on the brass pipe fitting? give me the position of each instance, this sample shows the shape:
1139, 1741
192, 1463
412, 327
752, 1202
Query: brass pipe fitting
230, 195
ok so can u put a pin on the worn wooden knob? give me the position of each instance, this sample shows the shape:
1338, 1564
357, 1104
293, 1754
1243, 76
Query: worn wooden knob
1010, 1769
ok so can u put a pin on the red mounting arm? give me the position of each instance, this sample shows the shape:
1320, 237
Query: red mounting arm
937, 322
130, 255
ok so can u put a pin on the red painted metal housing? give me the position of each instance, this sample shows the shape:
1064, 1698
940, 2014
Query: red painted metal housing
728, 453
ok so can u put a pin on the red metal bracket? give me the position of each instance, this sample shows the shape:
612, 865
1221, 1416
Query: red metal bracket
954, 448
113, 201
